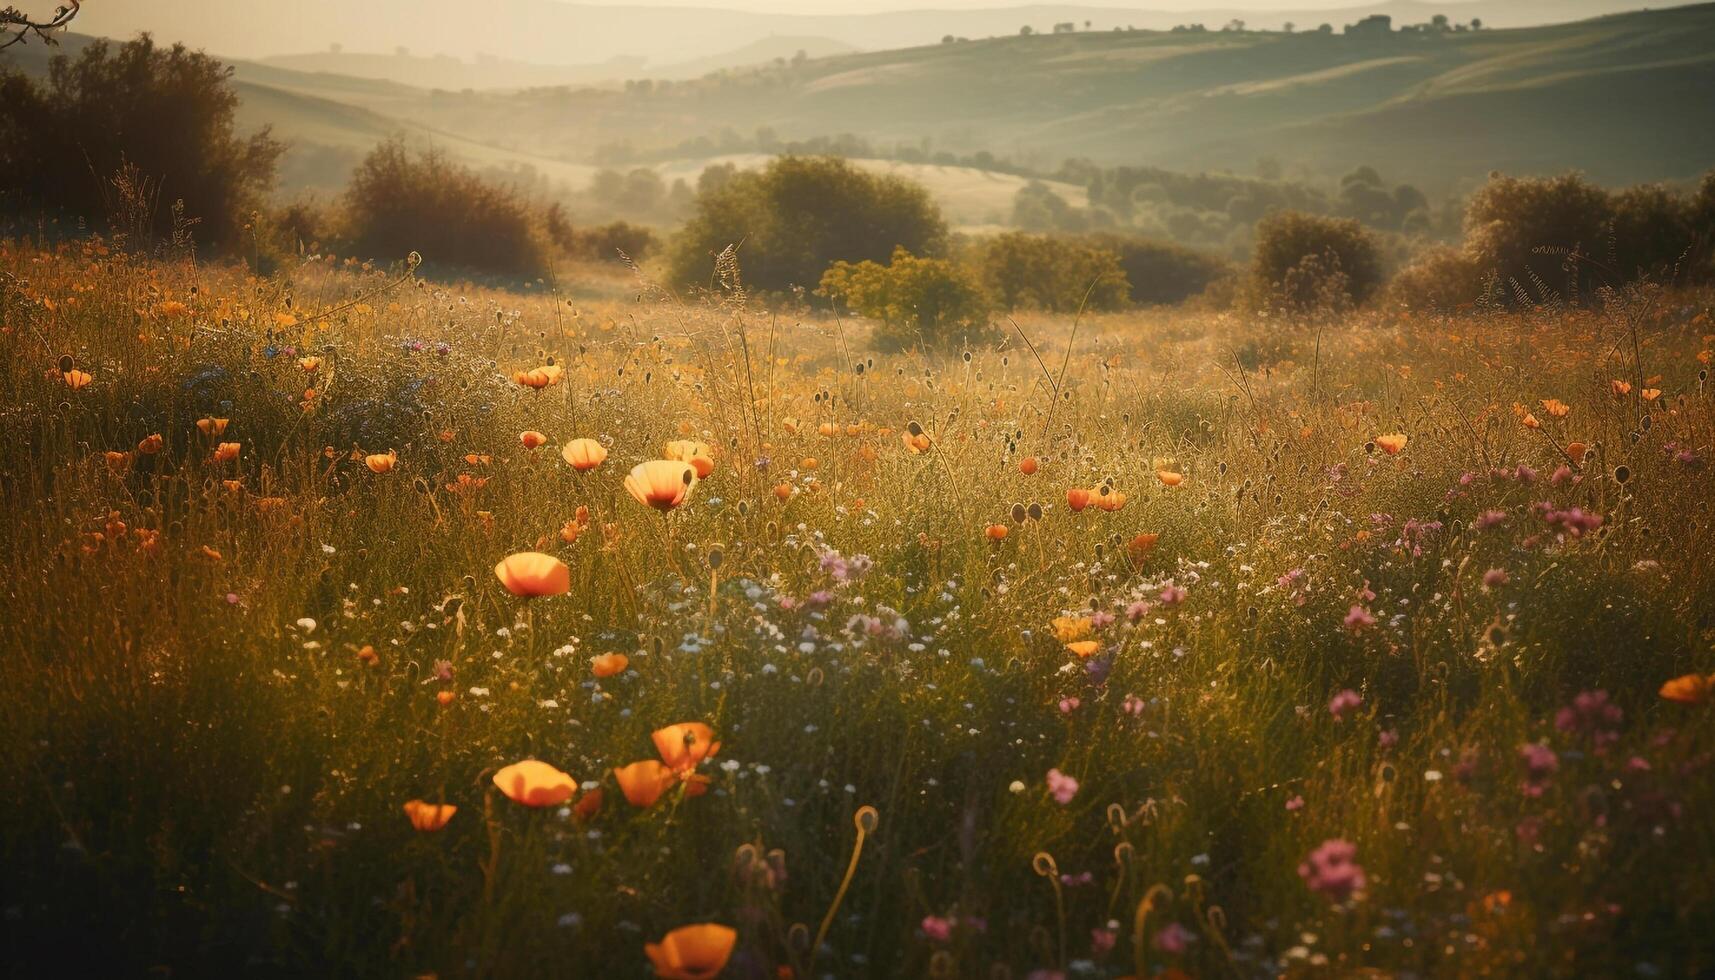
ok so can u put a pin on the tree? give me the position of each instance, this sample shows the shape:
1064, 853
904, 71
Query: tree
925, 302
799, 215
1522, 228
163, 116
1061, 275
1306, 261
400, 203
17, 26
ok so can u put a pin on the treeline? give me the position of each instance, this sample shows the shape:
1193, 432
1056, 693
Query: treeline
144, 136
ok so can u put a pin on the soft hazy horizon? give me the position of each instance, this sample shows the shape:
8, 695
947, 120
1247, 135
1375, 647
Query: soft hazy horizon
668, 32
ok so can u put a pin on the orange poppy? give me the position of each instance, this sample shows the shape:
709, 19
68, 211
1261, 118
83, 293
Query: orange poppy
917, 443
76, 379
695, 453
532, 439
1392, 443
685, 745
310, 363
1650, 394
1077, 498
381, 462
783, 492
1576, 451
1689, 689
644, 782
828, 429
1556, 408
1530, 421
1170, 478
535, 783
1069, 628
150, 445
698, 952
530, 574
212, 426
1620, 388
172, 309
660, 483
1142, 545
583, 454
609, 664
1084, 648
428, 817
118, 462
226, 452
996, 532
1109, 499
588, 804
1027, 466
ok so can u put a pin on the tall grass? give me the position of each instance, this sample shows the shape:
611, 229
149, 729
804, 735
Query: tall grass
203, 775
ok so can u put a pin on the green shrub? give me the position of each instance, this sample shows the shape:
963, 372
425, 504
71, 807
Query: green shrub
1511, 220
1652, 233
607, 243
400, 203
1306, 262
1062, 275
133, 129
1162, 272
918, 302
1439, 280
800, 215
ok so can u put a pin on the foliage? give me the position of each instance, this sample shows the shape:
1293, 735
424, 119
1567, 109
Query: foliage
918, 302
1521, 228
1306, 262
1061, 275
1161, 272
800, 215
136, 121
1439, 280
613, 242
399, 202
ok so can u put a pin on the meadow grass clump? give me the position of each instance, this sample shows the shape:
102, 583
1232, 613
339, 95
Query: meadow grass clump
1387, 651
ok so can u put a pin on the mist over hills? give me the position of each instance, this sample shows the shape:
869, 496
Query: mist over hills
552, 33
1624, 98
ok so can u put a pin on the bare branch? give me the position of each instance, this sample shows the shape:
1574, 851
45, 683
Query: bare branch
16, 26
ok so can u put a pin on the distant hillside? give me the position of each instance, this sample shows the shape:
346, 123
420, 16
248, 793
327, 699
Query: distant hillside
549, 32
483, 72
1626, 98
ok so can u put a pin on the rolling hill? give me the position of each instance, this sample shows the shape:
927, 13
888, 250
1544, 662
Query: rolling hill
550, 32
1625, 98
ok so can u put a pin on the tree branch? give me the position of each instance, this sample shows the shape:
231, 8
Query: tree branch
16, 26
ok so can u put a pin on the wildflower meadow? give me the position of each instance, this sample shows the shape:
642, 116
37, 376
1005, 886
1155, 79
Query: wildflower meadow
361, 625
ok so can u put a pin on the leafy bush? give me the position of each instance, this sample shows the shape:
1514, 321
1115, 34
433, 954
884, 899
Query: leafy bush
1305, 261
399, 203
1439, 280
800, 215
1062, 275
926, 302
1510, 218
1652, 233
1162, 272
147, 124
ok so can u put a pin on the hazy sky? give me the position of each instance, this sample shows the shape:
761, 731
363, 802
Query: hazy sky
861, 7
